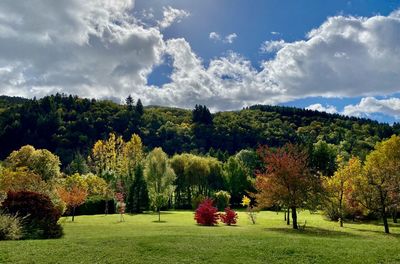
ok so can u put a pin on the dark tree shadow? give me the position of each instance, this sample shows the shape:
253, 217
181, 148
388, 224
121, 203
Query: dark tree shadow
312, 232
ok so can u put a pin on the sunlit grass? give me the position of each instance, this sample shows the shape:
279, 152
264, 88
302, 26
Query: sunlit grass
141, 239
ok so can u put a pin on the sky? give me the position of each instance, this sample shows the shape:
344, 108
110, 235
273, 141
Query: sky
333, 56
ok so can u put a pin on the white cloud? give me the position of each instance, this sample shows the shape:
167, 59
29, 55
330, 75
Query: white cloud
172, 15
272, 46
214, 36
97, 48
230, 38
371, 105
330, 109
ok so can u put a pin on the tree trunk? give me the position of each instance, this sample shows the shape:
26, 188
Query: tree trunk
341, 222
106, 208
159, 215
288, 216
385, 222
294, 217
73, 214
284, 215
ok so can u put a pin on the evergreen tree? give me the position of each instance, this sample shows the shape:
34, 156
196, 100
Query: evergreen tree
138, 197
129, 102
139, 108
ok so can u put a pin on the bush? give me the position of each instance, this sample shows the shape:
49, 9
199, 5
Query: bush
206, 214
10, 227
222, 199
39, 213
229, 217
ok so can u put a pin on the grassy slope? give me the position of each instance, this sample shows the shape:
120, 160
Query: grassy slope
101, 239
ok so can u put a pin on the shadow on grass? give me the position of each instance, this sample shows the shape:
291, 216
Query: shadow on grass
159, 222
313, 232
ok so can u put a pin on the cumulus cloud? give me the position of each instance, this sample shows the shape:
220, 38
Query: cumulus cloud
172, 15
272, 46
371, 105
230, 38
97, 48
330, 109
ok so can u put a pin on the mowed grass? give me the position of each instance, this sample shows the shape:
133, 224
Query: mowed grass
177, 239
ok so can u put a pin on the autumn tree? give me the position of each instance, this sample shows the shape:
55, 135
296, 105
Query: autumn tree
285, 179
160, 178
379, 184
73, 191
339, 187
40, 161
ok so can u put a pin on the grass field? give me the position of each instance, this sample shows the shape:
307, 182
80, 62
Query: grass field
102, 239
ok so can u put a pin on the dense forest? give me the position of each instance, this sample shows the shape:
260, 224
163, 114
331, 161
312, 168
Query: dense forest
69, 126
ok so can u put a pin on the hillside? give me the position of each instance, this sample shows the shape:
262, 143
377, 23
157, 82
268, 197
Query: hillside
67, 125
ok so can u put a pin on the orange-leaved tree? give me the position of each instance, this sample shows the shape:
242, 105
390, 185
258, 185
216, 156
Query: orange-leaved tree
286, 179
73, 191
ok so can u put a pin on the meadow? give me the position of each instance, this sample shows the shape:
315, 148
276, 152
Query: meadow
177, 239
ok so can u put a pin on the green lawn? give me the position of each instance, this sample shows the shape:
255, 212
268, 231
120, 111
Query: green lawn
102, 239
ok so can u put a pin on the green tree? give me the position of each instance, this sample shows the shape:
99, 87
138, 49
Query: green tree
138, 196
160, 178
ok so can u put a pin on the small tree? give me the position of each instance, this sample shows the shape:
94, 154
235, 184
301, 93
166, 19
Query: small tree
160, 178
73, 192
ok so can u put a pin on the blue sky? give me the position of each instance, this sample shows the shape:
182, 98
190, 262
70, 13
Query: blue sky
257, 22
335, 56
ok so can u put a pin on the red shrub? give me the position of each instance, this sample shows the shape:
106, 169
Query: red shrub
37, 211
206, 214
230, 217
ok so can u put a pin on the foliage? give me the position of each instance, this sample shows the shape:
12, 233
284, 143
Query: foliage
377, 188
339, 189
323, 157
40, 217
237, 179
229, 217
221, 199
73, 192
286, 179
251, 213
160, 178
138, 196
40, 161
10, 227
67, 125
206, 214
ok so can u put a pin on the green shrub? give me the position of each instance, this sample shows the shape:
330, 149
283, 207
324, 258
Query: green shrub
197, 200
10, 227
221, 200
39, 214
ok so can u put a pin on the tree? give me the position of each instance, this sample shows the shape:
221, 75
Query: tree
138, 196
39, 161
339, 187
73, 192
78, 165
379, 185
323, 158
237, 179
129, 102
139, 107
160, 178
285, 179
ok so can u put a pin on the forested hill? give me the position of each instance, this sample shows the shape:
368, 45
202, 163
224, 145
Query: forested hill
69, 125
